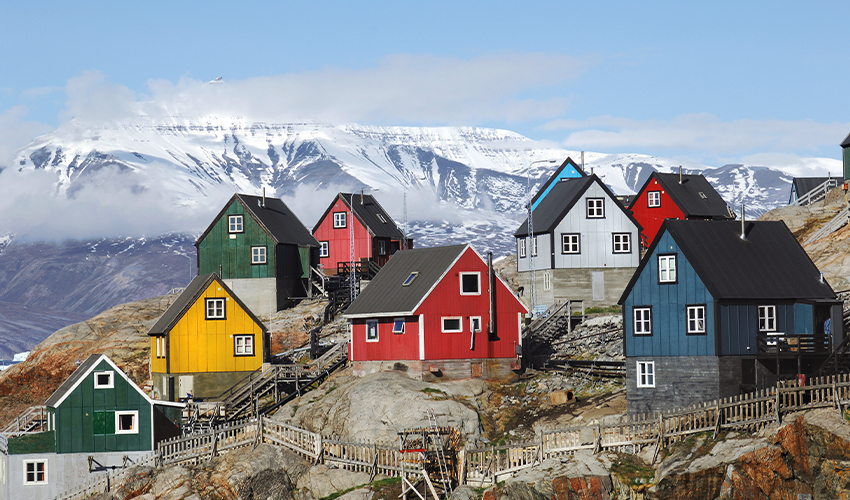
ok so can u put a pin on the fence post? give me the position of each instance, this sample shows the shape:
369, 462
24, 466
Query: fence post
660, 437
778, 401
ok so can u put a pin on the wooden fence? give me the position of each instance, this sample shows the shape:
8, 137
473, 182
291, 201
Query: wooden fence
106, 481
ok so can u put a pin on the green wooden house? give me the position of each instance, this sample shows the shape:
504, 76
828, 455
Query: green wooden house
99, 409
261, 251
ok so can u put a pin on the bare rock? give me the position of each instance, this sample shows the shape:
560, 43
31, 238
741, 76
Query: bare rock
320, 481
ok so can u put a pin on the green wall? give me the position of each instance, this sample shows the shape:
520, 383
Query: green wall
846, 156
234, 254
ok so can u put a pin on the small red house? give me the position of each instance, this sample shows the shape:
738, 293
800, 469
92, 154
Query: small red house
676, 196
376, 235
437, 312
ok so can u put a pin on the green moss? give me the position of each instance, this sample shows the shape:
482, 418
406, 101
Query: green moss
330, 390
431, 390
633, 471
41, 442
602, 310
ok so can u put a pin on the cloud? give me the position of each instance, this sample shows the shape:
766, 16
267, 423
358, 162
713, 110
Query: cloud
16, 132
701, 133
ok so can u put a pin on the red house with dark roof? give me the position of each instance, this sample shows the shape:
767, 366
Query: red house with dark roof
376, 235
436, 312
676, 196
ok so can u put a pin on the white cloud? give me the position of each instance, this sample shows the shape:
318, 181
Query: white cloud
16, 132
701, 133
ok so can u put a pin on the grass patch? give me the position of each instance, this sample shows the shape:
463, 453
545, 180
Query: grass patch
330, 390
435, 393
603, 310
633, 471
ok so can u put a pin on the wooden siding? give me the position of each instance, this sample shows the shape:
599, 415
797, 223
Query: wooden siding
669, 309
739, 326
339, 243
75, 417
596, 242
233, 255
543, 259
651, 218
198, 345
390, 346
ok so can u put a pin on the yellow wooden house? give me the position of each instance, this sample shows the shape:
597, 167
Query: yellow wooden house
205, 342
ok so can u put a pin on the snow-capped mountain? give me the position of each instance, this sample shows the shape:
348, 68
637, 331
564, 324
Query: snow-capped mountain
457, 183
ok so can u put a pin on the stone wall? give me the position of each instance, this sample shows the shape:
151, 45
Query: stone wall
497, 369
679, 381
577, 284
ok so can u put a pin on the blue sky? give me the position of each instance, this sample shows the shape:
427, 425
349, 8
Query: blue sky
713, 82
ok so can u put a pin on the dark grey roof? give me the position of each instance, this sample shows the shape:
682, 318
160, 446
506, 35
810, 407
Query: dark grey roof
803, 185
560, 200
189, 296
769, 264
385, 295
568, 163
846, 142
689, 195
71, 382
370, 213
275, 217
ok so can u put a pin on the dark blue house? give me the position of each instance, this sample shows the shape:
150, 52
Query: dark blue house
710, 313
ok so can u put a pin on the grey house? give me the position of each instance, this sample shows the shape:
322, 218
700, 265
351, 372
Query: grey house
583, 244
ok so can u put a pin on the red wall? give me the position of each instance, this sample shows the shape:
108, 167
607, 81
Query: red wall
652, 218
446, 300
339, 244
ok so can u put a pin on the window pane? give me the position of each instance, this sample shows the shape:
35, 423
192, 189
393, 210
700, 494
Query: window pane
451, 324
469, 283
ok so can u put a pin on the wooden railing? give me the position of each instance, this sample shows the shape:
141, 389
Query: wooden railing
817, 193
830, 227
194, 448
792, 344
33, 419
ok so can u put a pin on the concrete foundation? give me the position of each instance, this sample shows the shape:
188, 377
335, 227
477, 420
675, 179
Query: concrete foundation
600, 287
498, 369
259, 294
208, 386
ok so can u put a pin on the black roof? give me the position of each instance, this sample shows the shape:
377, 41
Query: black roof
846, 142
71, 382
553, 178
386, 295
189, 296
769, 264
803, 185
370, 213
274, 216
560, 200
695, 196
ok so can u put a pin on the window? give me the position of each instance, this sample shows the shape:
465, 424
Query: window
381, 218
475, 324
470, 283
104, 380
570, 243
595, 208
215, 308
339, 219
258, 255
622, 243
398, 326
534, 246
324, 250
521, 249
643, 320
243, 345
382, 247
234, 224
371, 331
767, 318
410, 278
646, 373
160, 347
702, 195
696, 319
35, 471
126, 422
547, 280
452, 325
653, 199
667, 268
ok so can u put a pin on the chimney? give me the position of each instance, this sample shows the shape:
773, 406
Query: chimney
680, 174
264, 197
743, 230
361, 197
491, 278
582, 161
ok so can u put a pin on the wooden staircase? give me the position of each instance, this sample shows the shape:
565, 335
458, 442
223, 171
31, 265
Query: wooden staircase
33, 419
538, 336
838, 361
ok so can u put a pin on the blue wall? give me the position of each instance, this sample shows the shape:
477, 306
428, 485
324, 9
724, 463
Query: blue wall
669, 303
739, 325
569, 172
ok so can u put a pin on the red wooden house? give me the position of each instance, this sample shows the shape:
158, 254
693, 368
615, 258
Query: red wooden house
437, 312
376, 236
676, 196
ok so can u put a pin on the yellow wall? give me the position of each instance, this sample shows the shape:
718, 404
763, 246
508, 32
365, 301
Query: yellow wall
200, 345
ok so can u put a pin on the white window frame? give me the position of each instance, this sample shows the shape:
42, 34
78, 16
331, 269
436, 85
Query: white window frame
324, 249
242, 348
340, 220
521, 250
235, 224
135, 427
472, 321
382, 219
767, 318
625, 243
459, 323
595, 208
372, 326
215, 310
160, 347
259, 255
570, 243
667, 268
696, 319
108, 385
35, 472
653, 199
382, 247
412, 276
642, 320
477, 278
398, 330
547, 280
645, 374
533, 245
